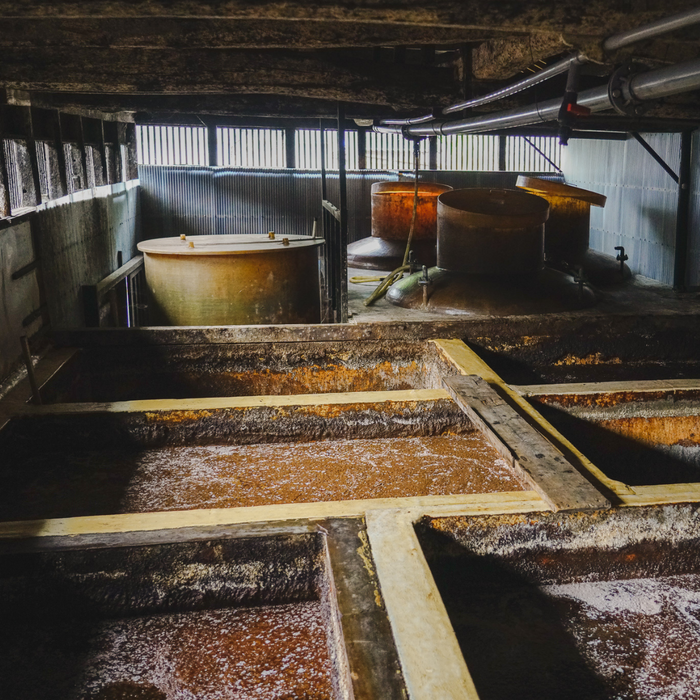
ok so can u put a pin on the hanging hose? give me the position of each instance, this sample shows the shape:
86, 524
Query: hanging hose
397, 274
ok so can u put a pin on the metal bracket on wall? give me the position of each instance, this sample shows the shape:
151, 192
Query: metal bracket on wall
654, 155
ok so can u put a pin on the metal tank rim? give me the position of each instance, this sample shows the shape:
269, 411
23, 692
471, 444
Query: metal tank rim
424, 188
544, 188
500, 208
226, 244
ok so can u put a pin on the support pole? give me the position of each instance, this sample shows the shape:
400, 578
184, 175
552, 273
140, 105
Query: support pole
342, 253
290, 147
213, 145
502, 152
683, 213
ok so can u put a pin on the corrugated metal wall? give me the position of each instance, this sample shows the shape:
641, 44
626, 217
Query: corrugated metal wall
195, 200
640, 213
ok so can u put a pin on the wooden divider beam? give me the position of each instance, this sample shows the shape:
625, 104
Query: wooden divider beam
532, 455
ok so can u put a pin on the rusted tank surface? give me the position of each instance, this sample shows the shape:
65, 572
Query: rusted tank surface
610, 596
392, 211
230, 280
387, 254
492, 232
566, 233
456, 294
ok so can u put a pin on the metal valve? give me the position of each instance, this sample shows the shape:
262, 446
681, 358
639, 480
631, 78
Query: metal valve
621, 257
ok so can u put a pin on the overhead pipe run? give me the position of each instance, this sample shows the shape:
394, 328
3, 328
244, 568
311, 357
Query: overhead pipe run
649, 31
545, 74
642, 87
618, 41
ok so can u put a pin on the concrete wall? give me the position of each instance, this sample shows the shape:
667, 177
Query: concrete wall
640, 213
76, 239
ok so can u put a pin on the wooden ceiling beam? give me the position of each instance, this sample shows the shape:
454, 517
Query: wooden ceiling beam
164, 109
197, 33
595, 18
305, 74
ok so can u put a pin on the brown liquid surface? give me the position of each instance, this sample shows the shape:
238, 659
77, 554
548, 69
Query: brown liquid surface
224, 476
266, 653
642, 636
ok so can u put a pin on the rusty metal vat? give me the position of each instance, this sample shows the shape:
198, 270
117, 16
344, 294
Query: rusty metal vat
392, 210
491, 231
229, 280
567, 231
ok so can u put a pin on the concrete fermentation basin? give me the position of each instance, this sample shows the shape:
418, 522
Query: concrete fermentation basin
237, 617
232, 279
392, 211
159, 371
103, 461
646, 434
578, 606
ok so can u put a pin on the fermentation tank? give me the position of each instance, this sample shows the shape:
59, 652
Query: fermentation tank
392, 211
232, 279
567, 231
490, 260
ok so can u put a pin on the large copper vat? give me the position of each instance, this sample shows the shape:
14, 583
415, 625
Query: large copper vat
392, 211
483, 231
567, 232
490, 260
228, 280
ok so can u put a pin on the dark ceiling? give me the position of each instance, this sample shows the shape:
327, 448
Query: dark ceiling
161, 58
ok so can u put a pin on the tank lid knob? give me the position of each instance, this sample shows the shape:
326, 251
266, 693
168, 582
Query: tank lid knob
183, 237
271, 235
285, 241
191, 244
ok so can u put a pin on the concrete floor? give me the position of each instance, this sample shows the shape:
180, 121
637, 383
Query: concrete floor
640, 295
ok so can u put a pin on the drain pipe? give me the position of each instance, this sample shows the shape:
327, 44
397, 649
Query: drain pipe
649, 31
545, 74
642, 87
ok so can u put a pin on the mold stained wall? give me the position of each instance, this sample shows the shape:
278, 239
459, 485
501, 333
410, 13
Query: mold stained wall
640, 213
77, 239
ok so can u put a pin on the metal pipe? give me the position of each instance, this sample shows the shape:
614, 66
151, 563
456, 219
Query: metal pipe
545, 74
649, 31
663, 82
551, 71
651, 85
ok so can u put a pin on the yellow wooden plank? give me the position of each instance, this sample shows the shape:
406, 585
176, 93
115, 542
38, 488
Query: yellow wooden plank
637, 387
222, 402
467, 504
660, 494
470, 363
432, 663
530, 453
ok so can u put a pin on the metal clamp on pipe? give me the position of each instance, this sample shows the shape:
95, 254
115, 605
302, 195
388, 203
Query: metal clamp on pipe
569, 109
620, 92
